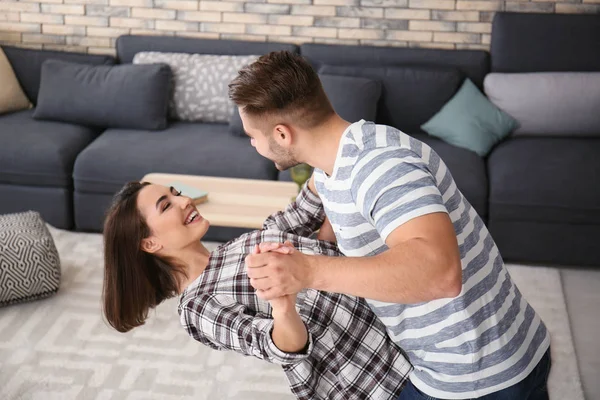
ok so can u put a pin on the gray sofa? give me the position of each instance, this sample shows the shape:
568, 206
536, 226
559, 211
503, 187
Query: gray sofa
535, 193
538, 195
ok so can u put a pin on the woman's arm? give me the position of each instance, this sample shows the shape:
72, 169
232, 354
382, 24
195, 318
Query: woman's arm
220, 322
289, 332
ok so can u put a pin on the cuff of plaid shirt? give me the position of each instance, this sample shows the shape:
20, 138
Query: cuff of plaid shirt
281, 357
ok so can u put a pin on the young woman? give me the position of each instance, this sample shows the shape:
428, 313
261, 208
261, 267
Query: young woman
331, 346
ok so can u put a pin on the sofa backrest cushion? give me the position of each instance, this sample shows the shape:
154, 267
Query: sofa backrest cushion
117, 96
353, 98
129, 45
473, 64
524, 42
549, 103
27, 64
410, 95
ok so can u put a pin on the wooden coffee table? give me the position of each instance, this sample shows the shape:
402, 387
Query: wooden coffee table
241, 203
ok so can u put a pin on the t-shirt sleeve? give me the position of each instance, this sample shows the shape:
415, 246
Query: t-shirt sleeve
393, 185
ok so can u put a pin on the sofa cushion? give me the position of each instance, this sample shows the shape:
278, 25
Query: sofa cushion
118, 96
129, 45
118, 156
410, 95
469, 120
533, 42
474, 64
467, 168
200, 91
12, 97
549, 103
545, 179
27, 64
353, 98
40, 153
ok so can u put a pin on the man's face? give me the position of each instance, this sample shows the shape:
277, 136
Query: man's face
266, 143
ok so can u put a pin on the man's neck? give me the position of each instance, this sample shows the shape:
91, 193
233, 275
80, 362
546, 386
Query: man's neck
320, 151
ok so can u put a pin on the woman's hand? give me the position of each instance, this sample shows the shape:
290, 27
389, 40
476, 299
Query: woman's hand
284, 304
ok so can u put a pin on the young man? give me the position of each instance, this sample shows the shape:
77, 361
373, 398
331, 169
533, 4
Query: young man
417, 249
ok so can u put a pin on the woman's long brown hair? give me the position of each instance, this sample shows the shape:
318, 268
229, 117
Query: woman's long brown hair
134, 281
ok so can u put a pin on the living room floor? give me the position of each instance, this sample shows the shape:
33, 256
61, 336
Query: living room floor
61, 348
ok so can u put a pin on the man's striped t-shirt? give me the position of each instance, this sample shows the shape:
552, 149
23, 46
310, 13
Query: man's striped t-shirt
488, 337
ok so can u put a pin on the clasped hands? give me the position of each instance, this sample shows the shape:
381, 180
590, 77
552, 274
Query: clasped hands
278, 272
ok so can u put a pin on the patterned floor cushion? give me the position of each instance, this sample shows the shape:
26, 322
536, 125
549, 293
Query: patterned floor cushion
29, 262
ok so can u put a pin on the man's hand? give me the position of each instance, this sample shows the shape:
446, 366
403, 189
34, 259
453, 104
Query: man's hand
277, 270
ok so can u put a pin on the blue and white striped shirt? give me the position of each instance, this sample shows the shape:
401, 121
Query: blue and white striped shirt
487, 338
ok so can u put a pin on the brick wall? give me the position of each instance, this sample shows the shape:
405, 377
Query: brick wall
93, 25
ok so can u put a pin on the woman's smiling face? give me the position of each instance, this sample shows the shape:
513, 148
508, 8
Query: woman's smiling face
173, 219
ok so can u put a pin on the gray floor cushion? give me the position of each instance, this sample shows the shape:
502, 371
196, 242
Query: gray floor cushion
29, 261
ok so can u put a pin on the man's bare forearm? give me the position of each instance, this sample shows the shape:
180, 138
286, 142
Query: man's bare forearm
411, 272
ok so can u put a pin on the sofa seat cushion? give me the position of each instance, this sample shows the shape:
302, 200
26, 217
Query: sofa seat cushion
118, 156
39, 153
467, 168
546, 180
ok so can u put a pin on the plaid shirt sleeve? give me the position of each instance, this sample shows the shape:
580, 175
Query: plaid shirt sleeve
303, 217
221, 323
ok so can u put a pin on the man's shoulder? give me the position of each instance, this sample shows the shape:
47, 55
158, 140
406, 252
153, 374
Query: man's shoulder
369, 137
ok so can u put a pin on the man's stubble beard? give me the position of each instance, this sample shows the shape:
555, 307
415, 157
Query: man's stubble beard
282, 158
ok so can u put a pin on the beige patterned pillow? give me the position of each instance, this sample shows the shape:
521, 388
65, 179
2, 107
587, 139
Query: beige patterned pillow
12, 97
201, 83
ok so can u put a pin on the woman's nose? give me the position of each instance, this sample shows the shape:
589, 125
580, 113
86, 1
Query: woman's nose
185, 202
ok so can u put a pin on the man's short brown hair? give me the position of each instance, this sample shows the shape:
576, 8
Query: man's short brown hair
283, 86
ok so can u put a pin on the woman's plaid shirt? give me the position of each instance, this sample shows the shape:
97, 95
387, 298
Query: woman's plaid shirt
348, 356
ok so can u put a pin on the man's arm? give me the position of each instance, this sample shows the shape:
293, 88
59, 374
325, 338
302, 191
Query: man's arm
422, 264
302, 217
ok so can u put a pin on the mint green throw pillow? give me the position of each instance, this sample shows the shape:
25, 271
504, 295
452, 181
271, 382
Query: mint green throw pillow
471, 121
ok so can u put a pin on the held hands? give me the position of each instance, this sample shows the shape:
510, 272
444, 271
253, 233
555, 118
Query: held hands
278, 272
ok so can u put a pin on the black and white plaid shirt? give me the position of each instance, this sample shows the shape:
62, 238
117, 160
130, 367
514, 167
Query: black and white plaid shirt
349, 355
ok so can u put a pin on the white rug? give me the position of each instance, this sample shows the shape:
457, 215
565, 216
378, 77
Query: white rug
60, 348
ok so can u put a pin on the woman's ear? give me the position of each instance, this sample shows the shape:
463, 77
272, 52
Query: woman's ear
150, 245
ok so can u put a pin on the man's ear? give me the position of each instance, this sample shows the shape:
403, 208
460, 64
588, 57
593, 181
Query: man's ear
150, 245
283, 135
